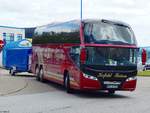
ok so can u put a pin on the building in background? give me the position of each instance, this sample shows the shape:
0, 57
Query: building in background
29, 33
10, 34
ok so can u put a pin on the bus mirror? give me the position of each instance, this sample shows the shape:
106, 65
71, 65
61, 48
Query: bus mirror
82, 25
144, 57
1, 44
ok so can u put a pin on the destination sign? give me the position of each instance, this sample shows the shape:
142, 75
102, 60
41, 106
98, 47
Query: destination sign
109, 75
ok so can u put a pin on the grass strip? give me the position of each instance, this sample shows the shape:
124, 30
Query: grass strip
144, 73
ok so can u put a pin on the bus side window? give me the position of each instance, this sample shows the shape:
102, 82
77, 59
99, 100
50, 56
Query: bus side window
88, 33
74, 53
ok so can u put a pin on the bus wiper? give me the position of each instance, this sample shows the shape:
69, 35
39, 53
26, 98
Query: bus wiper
114, 23
120, 42
121, 25
112, 42
103, 42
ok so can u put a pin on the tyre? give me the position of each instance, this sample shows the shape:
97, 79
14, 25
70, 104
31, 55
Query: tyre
12, 72
111, 92
67, 83
37, 73
41, 75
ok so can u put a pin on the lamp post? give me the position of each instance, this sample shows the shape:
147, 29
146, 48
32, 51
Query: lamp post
81, 11
81, 27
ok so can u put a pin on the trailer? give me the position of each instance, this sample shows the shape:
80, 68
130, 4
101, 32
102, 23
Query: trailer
17, 56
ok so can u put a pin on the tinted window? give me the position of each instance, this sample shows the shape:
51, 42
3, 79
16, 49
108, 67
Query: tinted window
62, 33
105, 33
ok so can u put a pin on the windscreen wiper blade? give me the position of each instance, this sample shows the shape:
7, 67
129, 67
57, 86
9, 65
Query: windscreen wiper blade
114, 23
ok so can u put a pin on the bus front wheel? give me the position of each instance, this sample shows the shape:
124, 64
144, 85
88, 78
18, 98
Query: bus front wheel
111, 92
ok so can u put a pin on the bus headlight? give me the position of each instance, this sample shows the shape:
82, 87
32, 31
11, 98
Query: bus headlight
131, 78
89, 76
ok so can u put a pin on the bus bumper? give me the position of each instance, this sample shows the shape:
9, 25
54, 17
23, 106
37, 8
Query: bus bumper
88, 84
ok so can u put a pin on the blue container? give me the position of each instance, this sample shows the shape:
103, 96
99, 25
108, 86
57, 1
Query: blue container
16, 55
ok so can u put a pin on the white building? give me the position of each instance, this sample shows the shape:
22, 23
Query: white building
10, 34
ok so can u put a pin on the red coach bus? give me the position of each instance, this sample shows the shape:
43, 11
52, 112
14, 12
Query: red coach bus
87, 55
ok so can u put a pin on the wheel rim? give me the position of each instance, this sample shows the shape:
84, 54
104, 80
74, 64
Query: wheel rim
41, 74
66, 82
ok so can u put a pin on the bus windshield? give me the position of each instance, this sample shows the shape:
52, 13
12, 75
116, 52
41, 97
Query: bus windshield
106, 33
111, 56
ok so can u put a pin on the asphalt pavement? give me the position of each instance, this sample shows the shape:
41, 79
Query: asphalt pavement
22, 83
10, 85
48, 97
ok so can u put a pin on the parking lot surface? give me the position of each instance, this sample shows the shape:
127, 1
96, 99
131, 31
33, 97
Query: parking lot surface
48, 97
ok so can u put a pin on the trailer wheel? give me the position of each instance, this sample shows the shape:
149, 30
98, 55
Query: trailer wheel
41, 75
12, 72
67, 83
37, 73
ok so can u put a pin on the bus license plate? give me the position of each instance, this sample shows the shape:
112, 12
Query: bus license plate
112, 86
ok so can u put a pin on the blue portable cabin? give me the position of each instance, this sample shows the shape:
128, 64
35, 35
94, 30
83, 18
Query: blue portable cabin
16, 56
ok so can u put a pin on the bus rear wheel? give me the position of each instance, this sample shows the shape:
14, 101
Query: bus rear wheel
41, 75
37, 73
67, 83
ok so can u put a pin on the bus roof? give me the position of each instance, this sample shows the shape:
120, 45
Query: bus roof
77, 22
106, 21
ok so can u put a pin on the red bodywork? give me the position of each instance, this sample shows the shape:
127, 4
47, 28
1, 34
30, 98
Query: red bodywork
1, 45
55, 60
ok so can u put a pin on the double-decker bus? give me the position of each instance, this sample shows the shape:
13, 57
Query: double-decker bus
87, 55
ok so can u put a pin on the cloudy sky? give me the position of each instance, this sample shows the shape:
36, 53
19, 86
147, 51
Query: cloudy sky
30, 13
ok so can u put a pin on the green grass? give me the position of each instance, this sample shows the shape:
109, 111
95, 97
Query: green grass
144, 73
